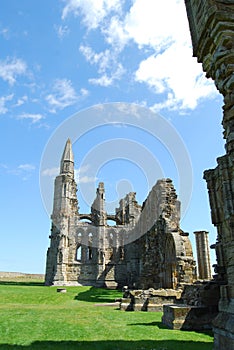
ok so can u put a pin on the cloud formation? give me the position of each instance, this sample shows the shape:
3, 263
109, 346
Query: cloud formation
160, 32
63, 95
33, 117
81, 176
180, 78
108, 68
23, 171
10, 68
62, 31
51, 172
3, 102
94, 12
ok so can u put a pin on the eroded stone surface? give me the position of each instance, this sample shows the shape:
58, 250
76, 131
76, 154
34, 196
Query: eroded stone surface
212, 30
149, 300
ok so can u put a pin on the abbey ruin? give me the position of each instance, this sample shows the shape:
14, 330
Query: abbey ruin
145, 249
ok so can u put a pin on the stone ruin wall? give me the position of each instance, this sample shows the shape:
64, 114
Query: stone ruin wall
163, 254
212, 30
146, 247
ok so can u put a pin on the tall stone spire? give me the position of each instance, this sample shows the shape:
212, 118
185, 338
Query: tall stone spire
64, 218
65, 200
67, 161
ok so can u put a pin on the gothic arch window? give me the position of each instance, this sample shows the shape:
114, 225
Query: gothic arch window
170, 263
90, 253
90, 248
78, 252
79, 236
60, 257
64, 189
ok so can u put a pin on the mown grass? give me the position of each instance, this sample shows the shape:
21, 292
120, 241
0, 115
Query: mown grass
36, 317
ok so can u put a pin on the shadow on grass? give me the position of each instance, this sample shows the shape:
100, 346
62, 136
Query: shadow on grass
22, 283
153, 324
160, 325
98, 295
112, 345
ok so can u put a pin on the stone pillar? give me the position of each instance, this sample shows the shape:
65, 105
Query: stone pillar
203, 255
212, 31
98, 212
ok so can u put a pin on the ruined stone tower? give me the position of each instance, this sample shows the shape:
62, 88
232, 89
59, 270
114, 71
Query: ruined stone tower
146, 248
64, 218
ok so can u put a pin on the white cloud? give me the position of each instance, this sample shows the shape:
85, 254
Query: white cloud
11, 68
163, 27
116, 34
84, 92
5, 33
157, 24
179, 75
51, 172
21, 101
158, 27
86, 179
24, 171
27, 167
33, 117
149, 23
63, 95
81, 175
109, 69
83, 169
106, 80
93, 11
62, 31
102, 81
102, 59
3, 101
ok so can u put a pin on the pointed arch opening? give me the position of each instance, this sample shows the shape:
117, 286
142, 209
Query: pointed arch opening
90, 253
78, 253
170, 279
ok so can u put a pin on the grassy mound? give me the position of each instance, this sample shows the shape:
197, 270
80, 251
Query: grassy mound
36, 317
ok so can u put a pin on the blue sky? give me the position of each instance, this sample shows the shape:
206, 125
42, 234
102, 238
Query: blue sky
58, 59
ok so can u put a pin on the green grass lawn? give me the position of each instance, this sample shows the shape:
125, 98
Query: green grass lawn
36, 317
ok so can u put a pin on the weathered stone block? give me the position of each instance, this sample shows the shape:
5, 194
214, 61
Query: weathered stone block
188, 317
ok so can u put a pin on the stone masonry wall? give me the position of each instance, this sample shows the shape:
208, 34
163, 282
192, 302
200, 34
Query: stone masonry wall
212, 30
146, 248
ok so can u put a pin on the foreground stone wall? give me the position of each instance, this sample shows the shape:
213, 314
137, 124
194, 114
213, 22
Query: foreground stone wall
212, 30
